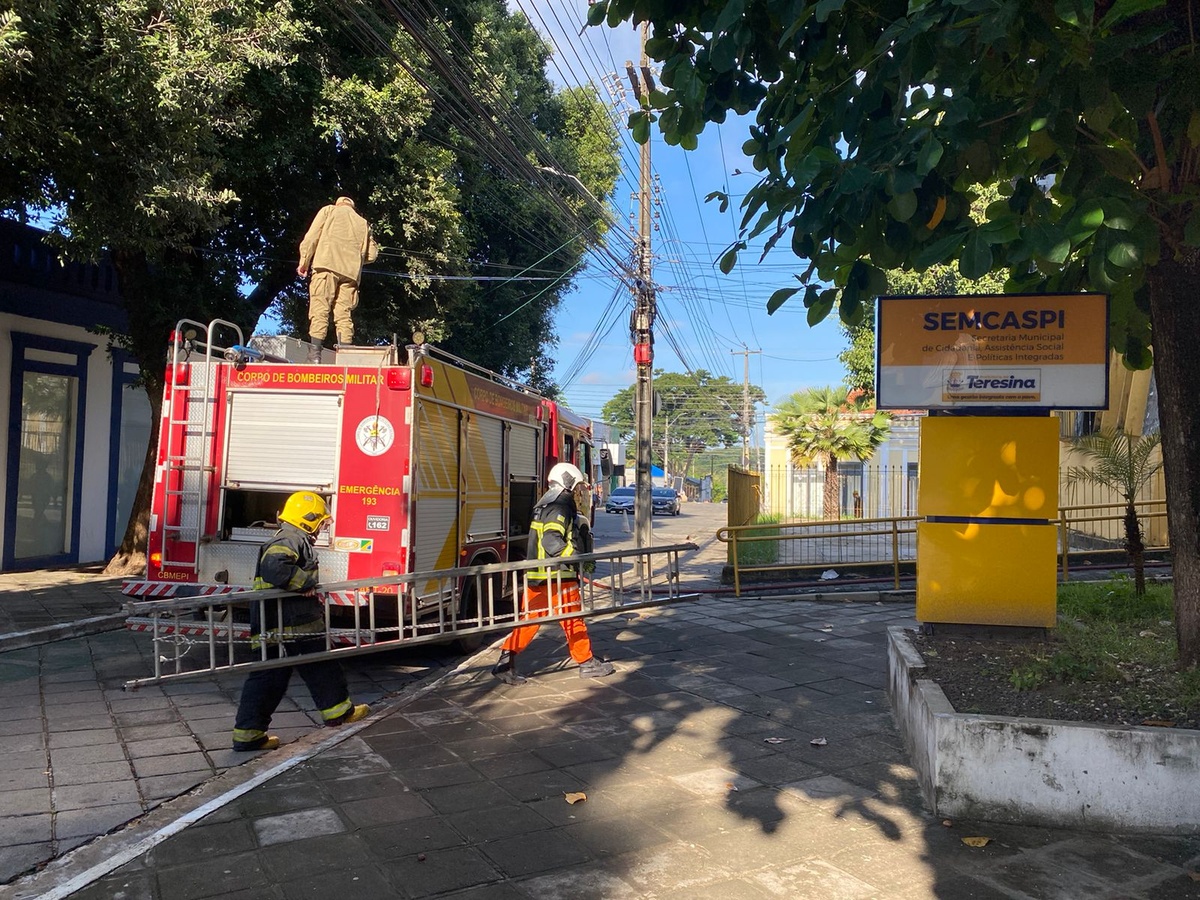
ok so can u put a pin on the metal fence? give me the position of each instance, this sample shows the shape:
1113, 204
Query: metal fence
887, 545
863, 491
859, 544
866, 491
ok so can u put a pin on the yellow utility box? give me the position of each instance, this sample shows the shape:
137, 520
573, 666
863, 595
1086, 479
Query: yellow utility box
972, 573
989, 467
989, 486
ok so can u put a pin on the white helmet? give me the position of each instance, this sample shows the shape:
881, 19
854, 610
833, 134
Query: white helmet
566, 476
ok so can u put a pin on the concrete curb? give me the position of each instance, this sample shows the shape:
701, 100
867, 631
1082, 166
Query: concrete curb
19, 640
1044, 772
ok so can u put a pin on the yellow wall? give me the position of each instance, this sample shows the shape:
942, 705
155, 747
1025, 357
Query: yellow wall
1128, 399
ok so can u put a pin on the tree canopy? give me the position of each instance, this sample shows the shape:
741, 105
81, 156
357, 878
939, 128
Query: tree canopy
697, 411
939, 279
877, 124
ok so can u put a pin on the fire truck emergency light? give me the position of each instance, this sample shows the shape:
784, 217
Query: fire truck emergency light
399, 378
426, 376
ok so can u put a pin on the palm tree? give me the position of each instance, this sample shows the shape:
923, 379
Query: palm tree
828, 424
1122, 463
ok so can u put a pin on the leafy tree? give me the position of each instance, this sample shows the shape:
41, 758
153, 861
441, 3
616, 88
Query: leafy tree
696, 412
826, 424
940, 279
877, 125
1124, 464
503, 224
194, 143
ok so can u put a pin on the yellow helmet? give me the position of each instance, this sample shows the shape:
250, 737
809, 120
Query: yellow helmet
306, 510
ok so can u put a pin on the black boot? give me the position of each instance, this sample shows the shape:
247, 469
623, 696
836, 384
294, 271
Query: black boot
596, 668
506, 668
314, 351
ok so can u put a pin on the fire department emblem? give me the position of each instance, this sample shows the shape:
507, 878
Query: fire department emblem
374, 435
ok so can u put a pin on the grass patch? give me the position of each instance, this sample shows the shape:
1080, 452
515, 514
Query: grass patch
1109, 636
752, 552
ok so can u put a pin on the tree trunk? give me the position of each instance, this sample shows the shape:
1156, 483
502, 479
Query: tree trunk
147, 341
130, 558
1175, 315
1136, 548
832, 506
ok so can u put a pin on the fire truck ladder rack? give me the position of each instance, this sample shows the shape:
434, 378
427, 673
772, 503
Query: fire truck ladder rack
444, 356
189, 437
198, 637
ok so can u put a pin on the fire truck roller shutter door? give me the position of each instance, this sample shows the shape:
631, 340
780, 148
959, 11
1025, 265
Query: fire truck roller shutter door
262, 424
483, 503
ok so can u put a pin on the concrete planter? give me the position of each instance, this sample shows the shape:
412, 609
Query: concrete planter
1041, 771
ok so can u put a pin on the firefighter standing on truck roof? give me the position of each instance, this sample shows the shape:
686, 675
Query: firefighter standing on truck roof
288, 562
558, 529
337, 244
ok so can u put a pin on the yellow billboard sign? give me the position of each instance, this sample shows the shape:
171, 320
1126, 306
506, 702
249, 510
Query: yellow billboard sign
1045, 351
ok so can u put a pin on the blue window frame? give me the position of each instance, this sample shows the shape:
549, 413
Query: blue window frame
47, 406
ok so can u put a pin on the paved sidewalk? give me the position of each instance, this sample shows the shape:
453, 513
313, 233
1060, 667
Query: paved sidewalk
80, 756
53, 604
700, 776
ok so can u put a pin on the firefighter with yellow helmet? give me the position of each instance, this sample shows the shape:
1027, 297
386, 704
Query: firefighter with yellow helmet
293, 626
558, 530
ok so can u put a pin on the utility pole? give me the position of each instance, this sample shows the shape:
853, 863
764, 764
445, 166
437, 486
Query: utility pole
745, 352
643, 317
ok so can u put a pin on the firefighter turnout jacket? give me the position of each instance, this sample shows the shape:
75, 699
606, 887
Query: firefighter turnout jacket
287, 562
557, 530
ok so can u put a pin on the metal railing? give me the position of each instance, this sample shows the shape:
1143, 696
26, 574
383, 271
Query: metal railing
845, 543
1147, 510
201, 636
869, 544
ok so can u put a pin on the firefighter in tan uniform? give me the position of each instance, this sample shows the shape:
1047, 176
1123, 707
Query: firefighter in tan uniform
557, 530
337, 244
288, 562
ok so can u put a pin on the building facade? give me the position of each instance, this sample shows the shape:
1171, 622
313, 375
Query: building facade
885, 485
78, 424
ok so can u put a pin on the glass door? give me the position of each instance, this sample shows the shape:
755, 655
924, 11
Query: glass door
45, 451
45, 466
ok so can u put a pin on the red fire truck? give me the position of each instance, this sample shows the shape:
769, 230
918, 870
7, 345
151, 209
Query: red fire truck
427, 462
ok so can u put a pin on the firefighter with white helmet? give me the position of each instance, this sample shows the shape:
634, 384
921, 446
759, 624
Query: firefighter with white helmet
293, 626
558, 529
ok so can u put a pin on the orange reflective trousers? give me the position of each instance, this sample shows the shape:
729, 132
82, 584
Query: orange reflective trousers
549, 599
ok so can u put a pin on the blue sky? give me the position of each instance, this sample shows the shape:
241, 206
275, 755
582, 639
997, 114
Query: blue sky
704, 316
